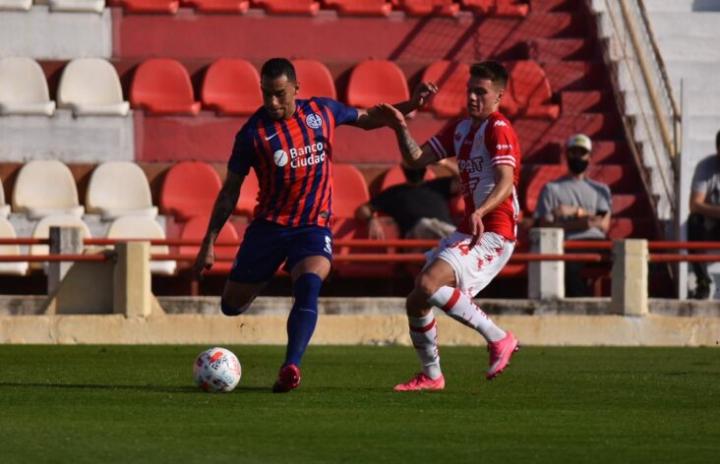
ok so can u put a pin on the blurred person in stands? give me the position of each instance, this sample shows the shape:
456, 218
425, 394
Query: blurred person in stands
288, 142
704, 220
465, 262
578, 205
420, 208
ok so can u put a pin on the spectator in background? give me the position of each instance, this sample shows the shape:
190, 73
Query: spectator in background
704, 220
579, 205
420, 208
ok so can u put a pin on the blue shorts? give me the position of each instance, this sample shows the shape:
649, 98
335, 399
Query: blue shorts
267, 244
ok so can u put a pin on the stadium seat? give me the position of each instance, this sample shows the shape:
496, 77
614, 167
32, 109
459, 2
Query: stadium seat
361, 7
119, 188
451, 78
310, 7
190, 189
528, 92
395, 176
376, 81
232, 86
195, 229
248, 195
8, 231
162, 86
149, 6
17, 5
218, 6
46, 187
23, 88
428, 7
42, 230
315, 79
92, 6
349, 190
134, 227
4, 207
91, 87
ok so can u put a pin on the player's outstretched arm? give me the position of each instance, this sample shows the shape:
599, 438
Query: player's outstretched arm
373, 118
412, 153
223, 208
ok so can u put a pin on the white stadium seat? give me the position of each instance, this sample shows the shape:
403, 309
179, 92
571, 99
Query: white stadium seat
21, 5
91, 87
92, 6
23, 88
130, 227
42, 230
119, 188
8, 231
45, 187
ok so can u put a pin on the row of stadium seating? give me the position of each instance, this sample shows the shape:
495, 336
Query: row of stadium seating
189, 189
311, 7
91, 86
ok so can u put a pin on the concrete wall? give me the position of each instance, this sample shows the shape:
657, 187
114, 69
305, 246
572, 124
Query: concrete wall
66, 138
687, 33
40, 34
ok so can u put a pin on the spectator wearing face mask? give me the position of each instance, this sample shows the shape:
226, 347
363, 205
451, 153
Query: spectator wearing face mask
577, 204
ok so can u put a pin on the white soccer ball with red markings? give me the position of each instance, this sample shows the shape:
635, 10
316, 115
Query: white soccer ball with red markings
217, 370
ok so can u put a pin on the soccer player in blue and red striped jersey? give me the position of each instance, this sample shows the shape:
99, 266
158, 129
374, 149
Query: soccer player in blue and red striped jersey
288, 142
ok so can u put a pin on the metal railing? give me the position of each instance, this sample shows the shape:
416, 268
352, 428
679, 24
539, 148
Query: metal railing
644, 94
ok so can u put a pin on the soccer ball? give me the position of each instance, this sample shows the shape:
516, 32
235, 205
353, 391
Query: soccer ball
217, 370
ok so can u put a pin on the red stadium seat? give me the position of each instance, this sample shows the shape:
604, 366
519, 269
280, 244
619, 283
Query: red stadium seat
451, 78
148, 6
218, 6
395, 176
315, 79
376, 81
631, 228
248, 195
528, 92
189, 190
428, 7
349, 190
232, 86
162, 86
479, 6
195, 229
310, 7
361, 7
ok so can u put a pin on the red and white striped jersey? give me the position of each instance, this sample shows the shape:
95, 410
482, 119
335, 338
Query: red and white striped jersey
478, 150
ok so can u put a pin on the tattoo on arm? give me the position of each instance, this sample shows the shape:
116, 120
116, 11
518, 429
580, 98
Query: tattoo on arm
409, 148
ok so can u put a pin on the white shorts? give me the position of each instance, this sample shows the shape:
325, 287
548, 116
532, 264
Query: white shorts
474, 268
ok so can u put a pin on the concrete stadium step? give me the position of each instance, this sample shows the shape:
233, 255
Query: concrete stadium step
592, 101
548, 6
576, 75
548, 50
604, 152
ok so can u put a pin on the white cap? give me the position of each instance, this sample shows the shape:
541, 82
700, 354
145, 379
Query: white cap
580, 140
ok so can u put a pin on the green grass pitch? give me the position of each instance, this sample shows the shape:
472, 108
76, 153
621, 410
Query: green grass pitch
104, 404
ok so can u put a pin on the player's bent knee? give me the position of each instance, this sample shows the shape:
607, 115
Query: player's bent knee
427, 285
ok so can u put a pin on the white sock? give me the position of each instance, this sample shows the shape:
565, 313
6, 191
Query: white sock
423, 333
460, 307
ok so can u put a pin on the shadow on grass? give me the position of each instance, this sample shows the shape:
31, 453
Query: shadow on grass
137, 388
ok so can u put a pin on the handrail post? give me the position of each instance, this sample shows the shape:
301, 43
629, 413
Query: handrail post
63, 241
630, 277
546, 279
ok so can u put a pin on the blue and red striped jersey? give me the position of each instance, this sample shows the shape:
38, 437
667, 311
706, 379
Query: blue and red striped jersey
293, 160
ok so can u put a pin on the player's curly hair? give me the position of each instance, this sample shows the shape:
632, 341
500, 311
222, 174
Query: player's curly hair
276, 67
491, 70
